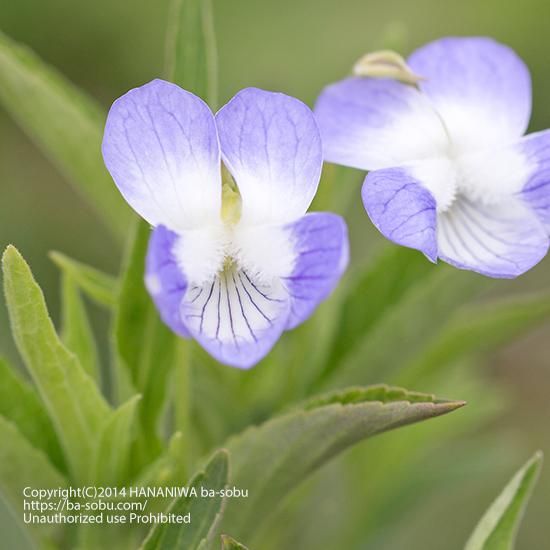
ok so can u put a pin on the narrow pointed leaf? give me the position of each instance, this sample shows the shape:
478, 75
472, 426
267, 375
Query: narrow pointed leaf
98, 286
273, 458
65, 123
498, 528
20, 404
478, 329
76, 331
205, 512
114, 445
21, 465
191, 55
74, 404
148, 364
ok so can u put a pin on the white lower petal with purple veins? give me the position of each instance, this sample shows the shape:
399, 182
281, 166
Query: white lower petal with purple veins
236, 318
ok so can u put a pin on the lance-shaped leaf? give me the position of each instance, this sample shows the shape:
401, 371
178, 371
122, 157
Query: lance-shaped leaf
498, 528
20, 404
204, 511
76, 331
272, 459
137, 321
65, 123
74, 404
191, 55
478, 329
21, 465
98, 286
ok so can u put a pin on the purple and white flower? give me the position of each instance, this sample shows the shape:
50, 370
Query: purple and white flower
451, 173
233, 261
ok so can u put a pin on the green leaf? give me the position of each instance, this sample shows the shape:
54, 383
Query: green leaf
98, 286
272, 459
65, 123
382, 285
114, 444
498, 528
204, 512
74, 404
20, 404
136, 320
76, 331
21, 465
191, 55
408, 326
229, 543
478, 329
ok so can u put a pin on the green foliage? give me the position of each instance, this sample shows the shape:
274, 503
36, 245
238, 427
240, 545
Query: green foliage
77, 409
204, 512
478, 328
112, 453
145, 347
21, 465
65, 123
498, 527
76, 331
98, 286
406, 327
20, 404
275, 457
191, 56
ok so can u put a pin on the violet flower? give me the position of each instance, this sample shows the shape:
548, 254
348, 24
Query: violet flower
451, 174
233, 261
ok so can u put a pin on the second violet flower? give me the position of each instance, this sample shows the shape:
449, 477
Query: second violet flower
450, 173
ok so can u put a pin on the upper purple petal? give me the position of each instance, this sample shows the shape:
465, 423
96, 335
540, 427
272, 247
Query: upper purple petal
481, 88
370, 123
165, 280
401, 209
161, 148
322, 251
271, 145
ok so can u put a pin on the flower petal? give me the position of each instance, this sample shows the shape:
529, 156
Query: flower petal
481, 88
236, 318
402, 209
536, 190
161, 148
372, 123
503, 240
271, 145
320, 242
164, 278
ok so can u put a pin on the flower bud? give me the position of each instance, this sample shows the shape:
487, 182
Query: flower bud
385, 64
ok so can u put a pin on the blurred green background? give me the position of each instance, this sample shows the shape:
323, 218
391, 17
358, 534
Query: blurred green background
109, 46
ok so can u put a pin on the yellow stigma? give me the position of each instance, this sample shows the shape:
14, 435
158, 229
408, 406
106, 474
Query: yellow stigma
386, 64
231, 199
